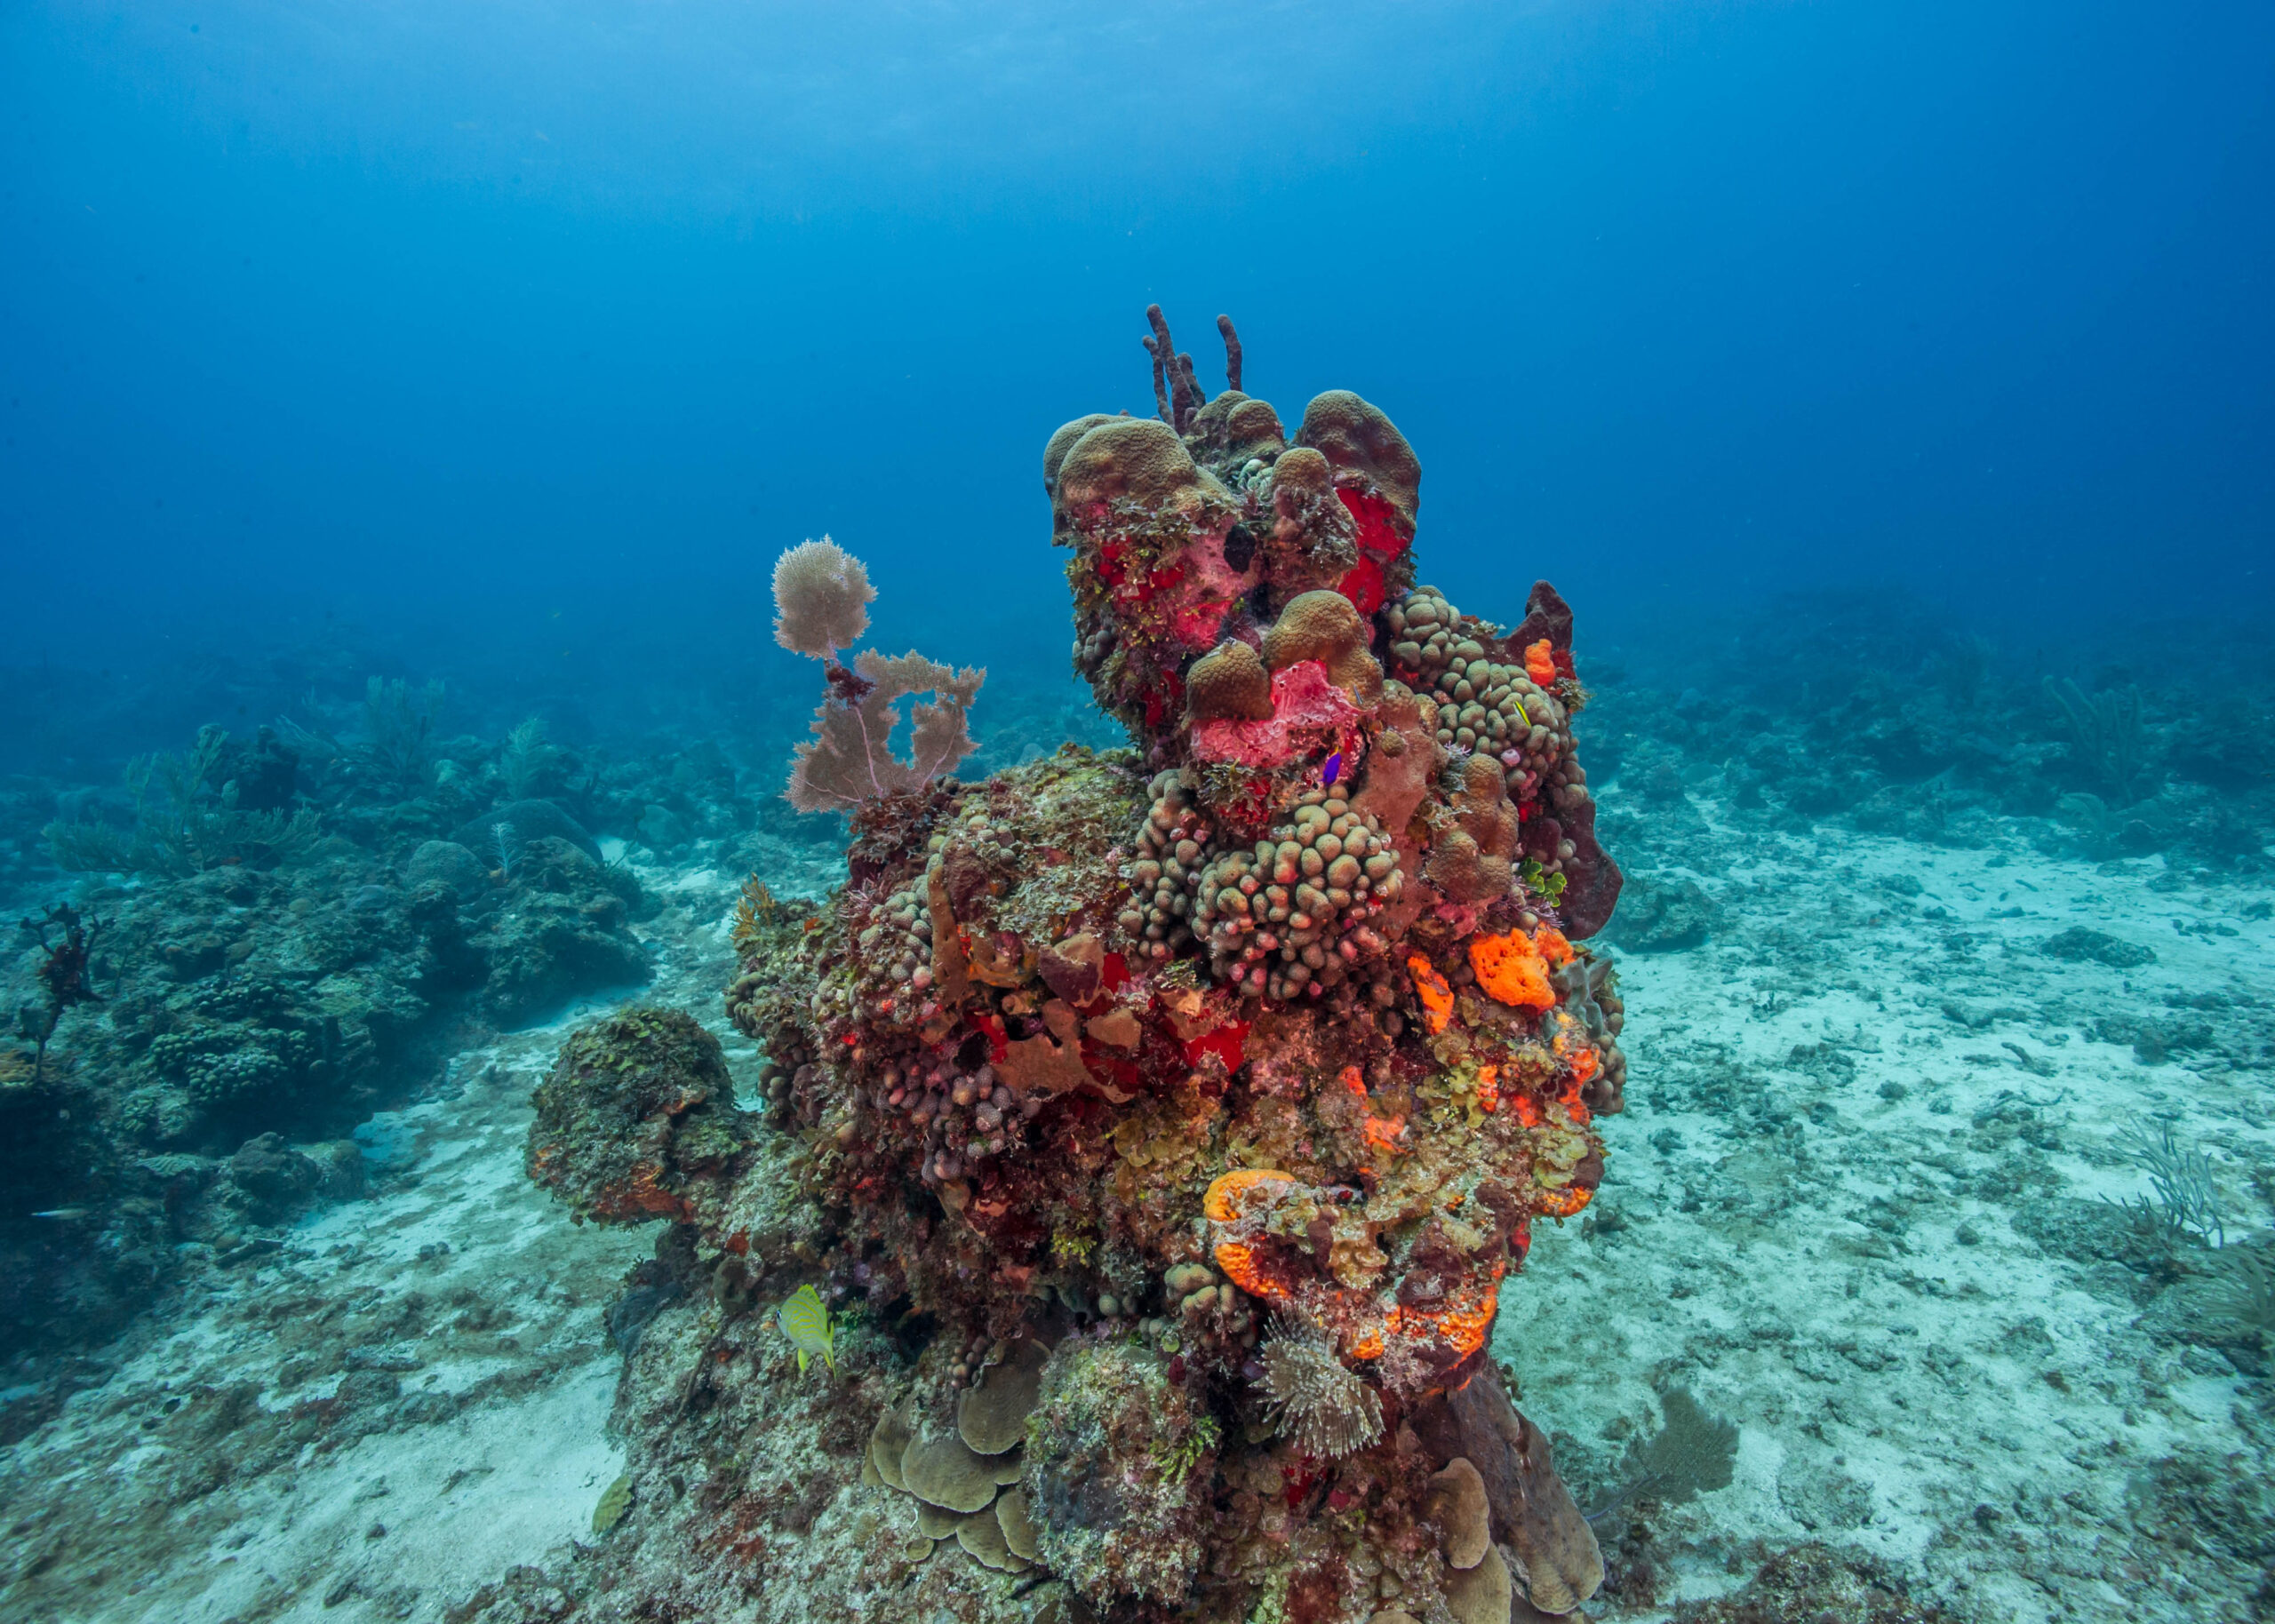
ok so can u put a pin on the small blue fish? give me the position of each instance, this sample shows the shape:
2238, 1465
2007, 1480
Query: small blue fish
1331, 769
804, 1319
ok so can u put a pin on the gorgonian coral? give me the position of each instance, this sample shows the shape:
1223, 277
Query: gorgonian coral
821, 597
850, 759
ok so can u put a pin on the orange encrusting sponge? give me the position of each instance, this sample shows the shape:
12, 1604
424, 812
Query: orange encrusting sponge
1513, 969
1562, 1203
1382, 1132
1429, 986
1222, 1204
1245, 1267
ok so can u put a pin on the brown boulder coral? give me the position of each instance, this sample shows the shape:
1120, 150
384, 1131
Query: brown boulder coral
1174, 1117
637, 1119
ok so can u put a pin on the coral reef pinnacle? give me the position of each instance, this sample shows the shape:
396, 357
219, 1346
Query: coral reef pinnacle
1179, 1113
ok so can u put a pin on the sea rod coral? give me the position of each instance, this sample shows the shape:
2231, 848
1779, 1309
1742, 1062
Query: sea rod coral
1163, 1126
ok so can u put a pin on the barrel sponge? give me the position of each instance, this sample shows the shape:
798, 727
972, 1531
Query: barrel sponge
1350, 433
1140, 459
1229, 684
1055, 451
1324, 627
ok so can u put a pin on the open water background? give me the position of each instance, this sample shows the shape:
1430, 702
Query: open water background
509, 344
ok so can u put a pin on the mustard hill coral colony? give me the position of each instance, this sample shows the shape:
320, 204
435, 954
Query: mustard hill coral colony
1169, 1120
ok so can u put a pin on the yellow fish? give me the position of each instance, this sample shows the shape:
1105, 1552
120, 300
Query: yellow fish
804, 1319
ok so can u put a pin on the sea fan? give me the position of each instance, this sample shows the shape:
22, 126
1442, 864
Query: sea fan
820, 595
821, 598
1317, 1402
850, 759
1693, 1454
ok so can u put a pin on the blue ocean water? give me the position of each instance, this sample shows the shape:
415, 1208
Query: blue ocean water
534, 333
402, 408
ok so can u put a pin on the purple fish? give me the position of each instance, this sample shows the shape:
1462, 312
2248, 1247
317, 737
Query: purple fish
1331, 769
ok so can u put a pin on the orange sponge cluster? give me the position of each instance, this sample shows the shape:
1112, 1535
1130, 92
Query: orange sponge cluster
1513, 969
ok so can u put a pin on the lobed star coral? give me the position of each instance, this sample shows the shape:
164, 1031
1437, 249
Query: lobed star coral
1280, 1015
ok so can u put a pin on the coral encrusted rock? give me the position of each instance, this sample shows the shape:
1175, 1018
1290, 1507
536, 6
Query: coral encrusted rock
1172, 1120
637, 1118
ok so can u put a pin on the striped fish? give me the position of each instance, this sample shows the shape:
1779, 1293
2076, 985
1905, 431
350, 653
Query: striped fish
804, 1319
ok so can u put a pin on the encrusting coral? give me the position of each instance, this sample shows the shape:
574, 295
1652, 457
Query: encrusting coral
1166, 1123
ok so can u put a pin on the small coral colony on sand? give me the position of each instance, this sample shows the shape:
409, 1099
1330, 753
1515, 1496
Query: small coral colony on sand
1200, 1097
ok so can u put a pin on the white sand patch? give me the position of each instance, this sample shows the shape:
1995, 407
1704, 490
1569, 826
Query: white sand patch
1845, 1111
435, 1511
430, 1362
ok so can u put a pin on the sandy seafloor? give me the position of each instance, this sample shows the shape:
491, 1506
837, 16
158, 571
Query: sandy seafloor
1855, 1206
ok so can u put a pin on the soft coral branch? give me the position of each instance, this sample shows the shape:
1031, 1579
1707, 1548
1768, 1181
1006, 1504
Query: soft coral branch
850, 759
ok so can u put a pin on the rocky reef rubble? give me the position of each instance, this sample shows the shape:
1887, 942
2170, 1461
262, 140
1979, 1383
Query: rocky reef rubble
1162, 1124
1873, 712
369, 1422
262, 958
